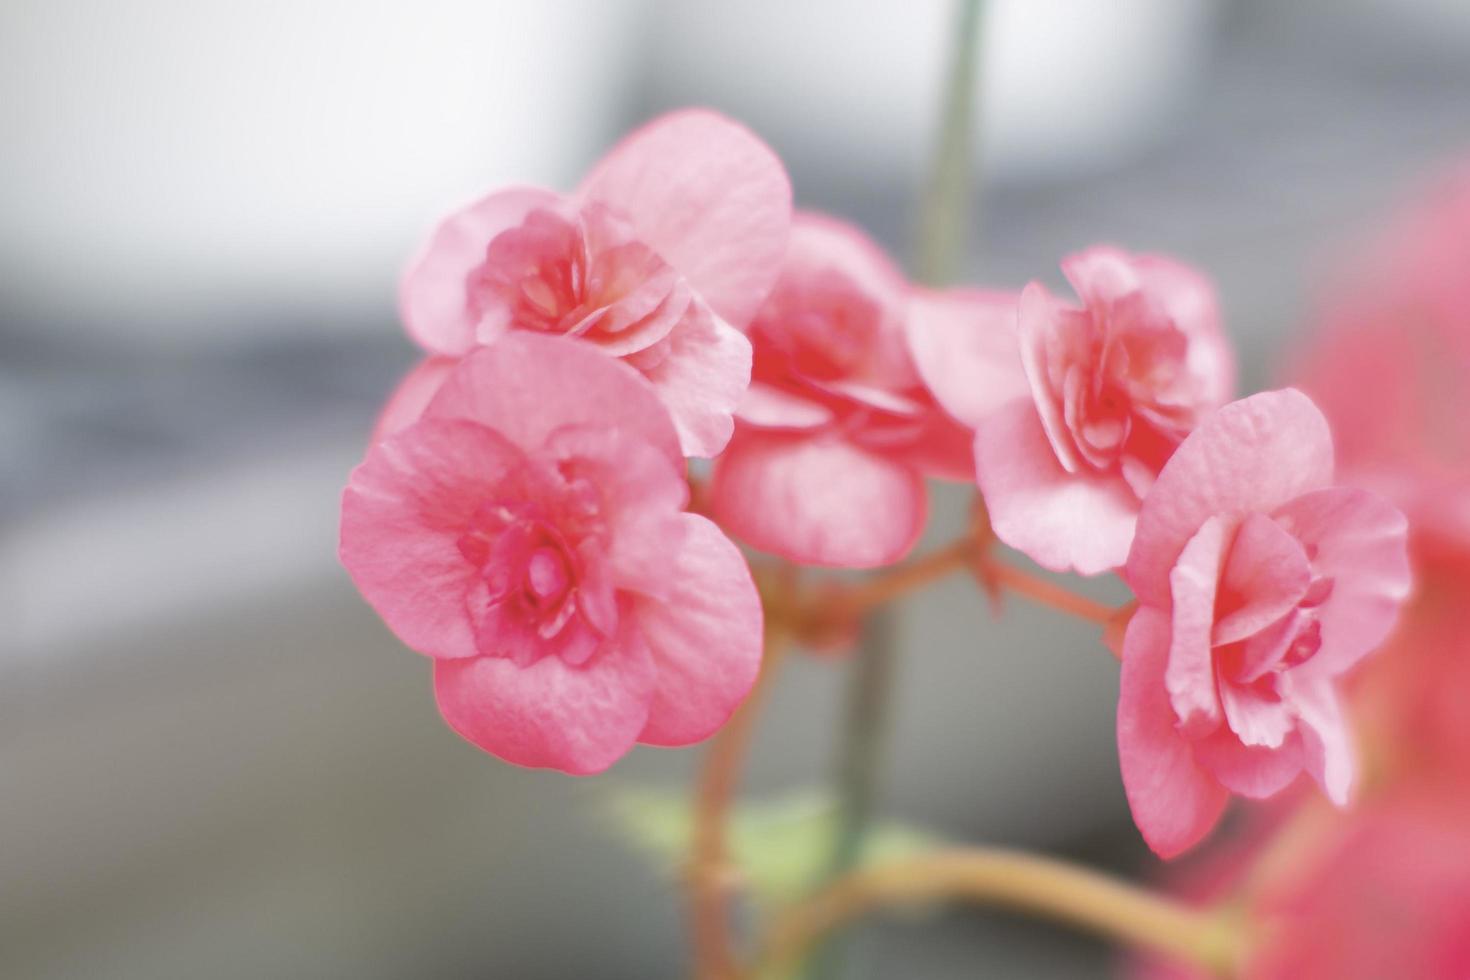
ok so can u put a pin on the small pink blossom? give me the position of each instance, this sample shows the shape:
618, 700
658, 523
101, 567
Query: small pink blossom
1259, 584
1113, 387
837, 430
658, 259
529, 534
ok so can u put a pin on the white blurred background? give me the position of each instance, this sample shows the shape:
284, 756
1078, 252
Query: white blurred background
213, 760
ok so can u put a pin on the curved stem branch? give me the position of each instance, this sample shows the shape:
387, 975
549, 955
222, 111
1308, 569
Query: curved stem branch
911, 576
998, 574
966, 552
1005, 879
710, 877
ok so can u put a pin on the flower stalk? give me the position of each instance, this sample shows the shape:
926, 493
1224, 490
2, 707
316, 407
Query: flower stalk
710, 878
1207, 939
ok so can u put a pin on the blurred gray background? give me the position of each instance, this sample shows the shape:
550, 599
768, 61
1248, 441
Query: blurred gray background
213, 759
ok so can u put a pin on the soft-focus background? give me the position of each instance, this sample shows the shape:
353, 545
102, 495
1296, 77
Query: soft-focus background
214, 761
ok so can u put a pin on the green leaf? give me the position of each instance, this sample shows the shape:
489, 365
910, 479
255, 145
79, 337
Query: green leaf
780, 846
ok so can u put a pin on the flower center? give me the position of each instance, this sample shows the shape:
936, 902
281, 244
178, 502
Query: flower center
824, 329
542, 587
547, 575
583, 275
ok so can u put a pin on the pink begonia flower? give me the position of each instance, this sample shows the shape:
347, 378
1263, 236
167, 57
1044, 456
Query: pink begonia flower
528, 533
1259, 583
658, 259
837, 430
1113, 386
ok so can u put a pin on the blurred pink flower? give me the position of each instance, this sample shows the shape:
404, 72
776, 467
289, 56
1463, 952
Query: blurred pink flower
528, 534
1377, 892
837, 430
1410, 700
1386, 895
1259, 582
1113, 387
1396, 323
658, 259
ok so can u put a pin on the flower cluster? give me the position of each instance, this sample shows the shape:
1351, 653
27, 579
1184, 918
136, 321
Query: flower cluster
523, 516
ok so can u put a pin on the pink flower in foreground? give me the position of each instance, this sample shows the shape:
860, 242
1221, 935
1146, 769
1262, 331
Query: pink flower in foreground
658, 259
1114, 386
528, 534
1259, 583
837, 431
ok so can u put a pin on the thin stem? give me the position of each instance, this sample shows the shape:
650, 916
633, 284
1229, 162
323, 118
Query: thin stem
860, 757
941, 230
944, 208
911, 576
709, 878
963, 552
1108, 907
995, 573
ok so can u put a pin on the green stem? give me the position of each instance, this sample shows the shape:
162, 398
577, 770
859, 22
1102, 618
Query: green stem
944, 211
943, 217
859, 762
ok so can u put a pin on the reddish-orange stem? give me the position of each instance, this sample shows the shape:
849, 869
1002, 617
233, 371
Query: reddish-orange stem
993, 572
709, 876
908, 577
1007, 879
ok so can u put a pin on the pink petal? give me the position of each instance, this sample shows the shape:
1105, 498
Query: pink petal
835, 267
1267, 574
710, 197
1174, 801
526, 386
701, 379
432, 298
964, 344
1104, 275
403, 512
1326, 742
1251, 771
1043, 322
1265, 650
871, 396
412, 396
1190, 675
1359, 542
640, 493
1189, 299
1061, 520
817, 500
705, 636
1252, 455
769, 407
1256, 718
822, 245
551, 715
942, 449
